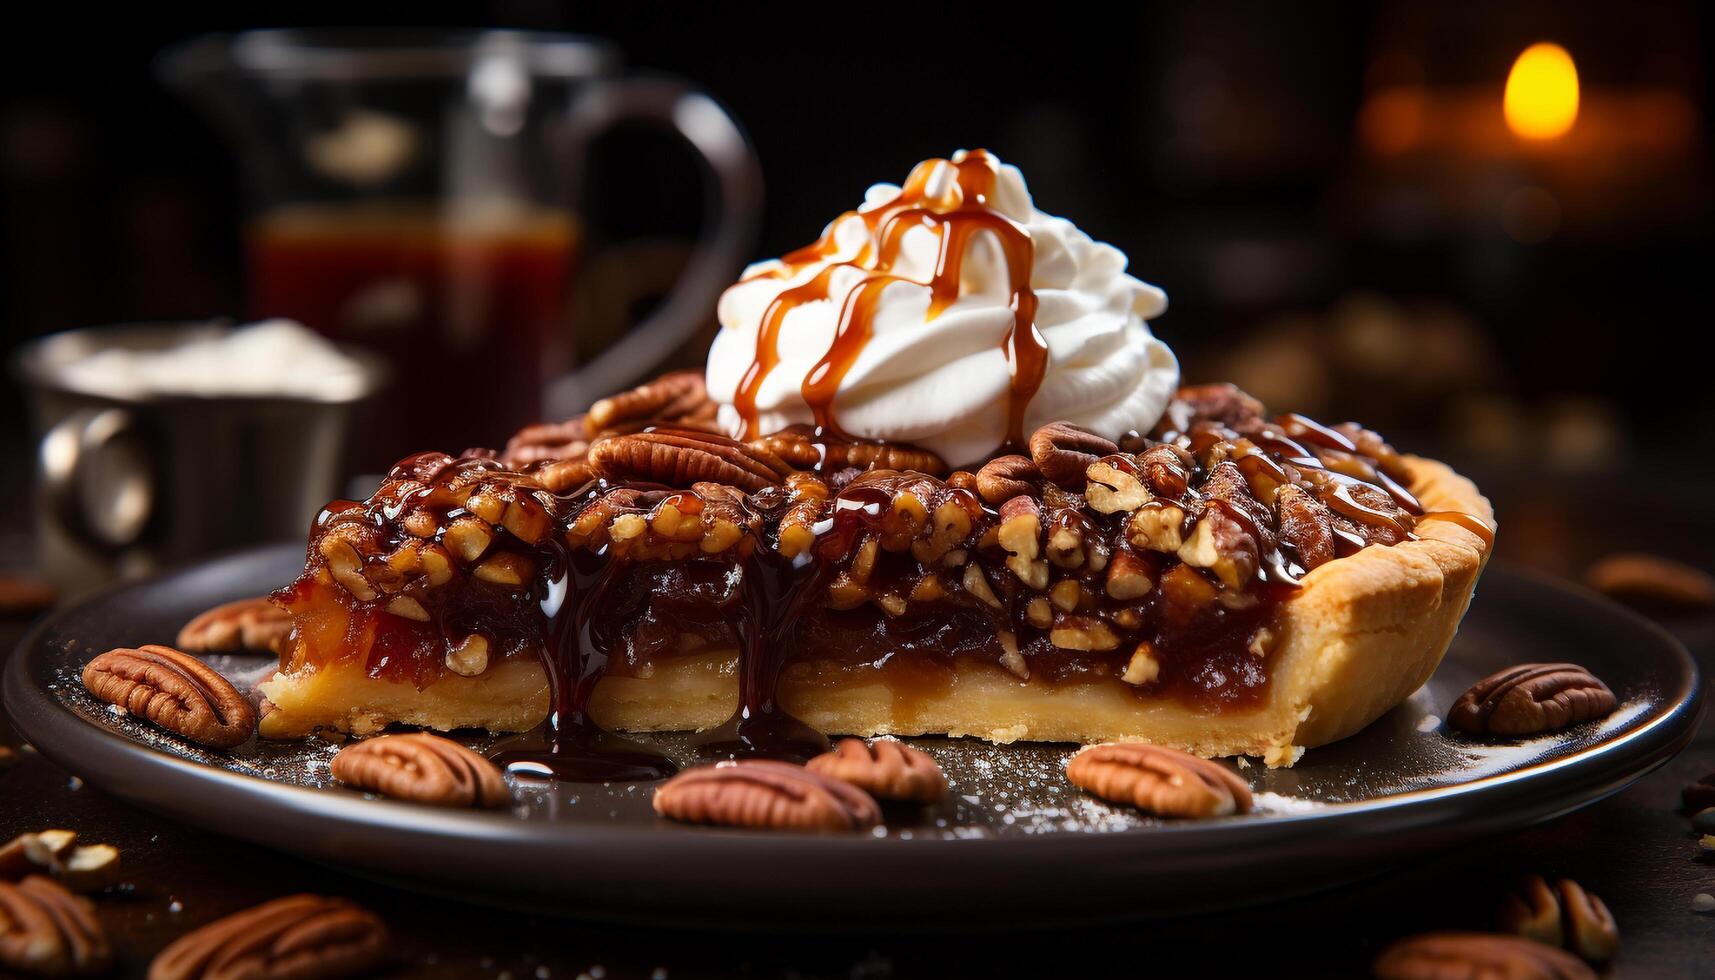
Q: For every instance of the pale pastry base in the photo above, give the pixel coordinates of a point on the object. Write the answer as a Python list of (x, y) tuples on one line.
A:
[(1359, 637)]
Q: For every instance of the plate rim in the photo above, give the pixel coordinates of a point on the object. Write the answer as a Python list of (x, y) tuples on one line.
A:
[(100, 755)]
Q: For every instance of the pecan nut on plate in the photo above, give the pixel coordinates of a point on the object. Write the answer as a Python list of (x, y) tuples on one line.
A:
[(1161, 781), (247, 624), (422, 768), (885, 768), (175, 691), (766, 796), (1531, 698)]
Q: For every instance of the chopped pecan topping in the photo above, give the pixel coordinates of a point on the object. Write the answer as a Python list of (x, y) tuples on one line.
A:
[(1531, 698), (422, 768), (175, 691), (1166, 469), (1444, 955), (1651, 581), (1020, 533), (1224, 546), (766, 795), (1063, 451), (681, 457), (1113, 485), (1159, 780), (675, 398), (1305, 526), (1006, 477), (800, 447), (1562, 914), (808, 501), (885, 768), (46, 931), (297, 936), (248, 624)]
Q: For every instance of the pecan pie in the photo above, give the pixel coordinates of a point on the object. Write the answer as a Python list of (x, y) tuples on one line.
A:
[(767, 563), (1238, 584)]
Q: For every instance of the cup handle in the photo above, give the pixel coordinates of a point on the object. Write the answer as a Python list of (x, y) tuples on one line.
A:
[(734, 196), (106, 446)]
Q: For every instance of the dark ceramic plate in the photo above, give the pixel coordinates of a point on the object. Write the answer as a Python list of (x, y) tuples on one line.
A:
[(1014, 845)]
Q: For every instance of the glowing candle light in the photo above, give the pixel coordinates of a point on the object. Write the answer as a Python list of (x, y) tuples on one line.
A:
[(1541, 100)]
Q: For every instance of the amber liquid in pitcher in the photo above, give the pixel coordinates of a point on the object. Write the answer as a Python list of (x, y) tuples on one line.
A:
[(467, 306)]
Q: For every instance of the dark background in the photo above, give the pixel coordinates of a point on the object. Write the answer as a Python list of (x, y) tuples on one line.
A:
[(1218, 144)]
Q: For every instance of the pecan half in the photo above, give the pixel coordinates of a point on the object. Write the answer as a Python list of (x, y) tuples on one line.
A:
[(1652, 581), (1159, 780), (562, 475), (1448, 955), (1529, 699), (1562, 914), (681, 457), (248, 624), (546, 441), (1220, 402), (305, 936), (47, 931), (422, 768), (886, 768), (677, 396), (1063, 451), (768, 795), (799, 446), (175, 691), (1006, 477)]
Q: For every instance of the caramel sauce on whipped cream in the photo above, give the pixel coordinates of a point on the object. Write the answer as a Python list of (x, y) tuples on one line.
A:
[(948, 313)]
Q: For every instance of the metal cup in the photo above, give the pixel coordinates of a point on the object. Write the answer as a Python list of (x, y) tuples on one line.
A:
[(129, 482)]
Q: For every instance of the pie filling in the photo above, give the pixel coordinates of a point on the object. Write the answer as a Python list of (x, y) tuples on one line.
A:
[(1163, 564)]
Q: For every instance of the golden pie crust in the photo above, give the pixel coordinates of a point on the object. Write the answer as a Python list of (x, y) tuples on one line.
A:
[(1360, 635)]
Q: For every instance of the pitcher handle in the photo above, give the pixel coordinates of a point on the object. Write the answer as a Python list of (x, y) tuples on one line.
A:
[(734, 196)]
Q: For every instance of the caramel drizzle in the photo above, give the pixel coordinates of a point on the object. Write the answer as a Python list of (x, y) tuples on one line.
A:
[(955, 216)]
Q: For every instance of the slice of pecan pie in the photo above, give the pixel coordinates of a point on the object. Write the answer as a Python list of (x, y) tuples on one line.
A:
[(1229, 583), (777, 548)]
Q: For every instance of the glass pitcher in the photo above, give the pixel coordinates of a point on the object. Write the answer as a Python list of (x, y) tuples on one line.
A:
[(415, 193)]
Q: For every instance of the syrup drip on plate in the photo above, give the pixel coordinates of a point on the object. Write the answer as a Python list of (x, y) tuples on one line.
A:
[(569, 745), (956, 212)]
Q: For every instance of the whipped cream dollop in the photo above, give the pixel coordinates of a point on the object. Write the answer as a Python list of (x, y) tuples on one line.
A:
[(898, 324)]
